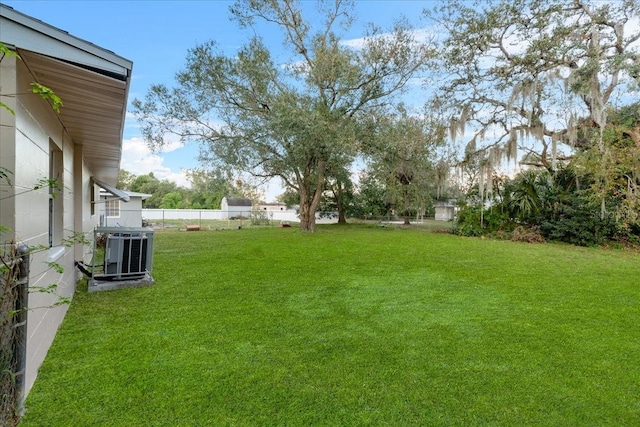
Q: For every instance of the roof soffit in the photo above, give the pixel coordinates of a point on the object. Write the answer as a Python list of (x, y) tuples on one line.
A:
[(93, 111), (93, 84)]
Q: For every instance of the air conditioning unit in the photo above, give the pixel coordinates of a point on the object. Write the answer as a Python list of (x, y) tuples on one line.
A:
[(126, 255), (122, 254)]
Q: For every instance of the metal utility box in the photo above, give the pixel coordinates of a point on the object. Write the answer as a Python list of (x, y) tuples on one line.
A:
[(122, 257)]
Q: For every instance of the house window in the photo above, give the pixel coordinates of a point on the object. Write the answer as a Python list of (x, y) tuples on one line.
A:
[(112, 208), (56, 187), (93, 199)]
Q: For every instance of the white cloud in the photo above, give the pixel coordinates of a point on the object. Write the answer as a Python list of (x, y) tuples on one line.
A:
[(138, 159)]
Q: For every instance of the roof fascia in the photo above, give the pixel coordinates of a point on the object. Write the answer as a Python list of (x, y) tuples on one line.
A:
[(24, 32)]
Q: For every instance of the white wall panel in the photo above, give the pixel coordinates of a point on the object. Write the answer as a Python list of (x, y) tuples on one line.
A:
[(37, 125)]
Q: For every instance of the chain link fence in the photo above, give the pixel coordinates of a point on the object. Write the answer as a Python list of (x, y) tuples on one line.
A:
[(209, 219), (194, 219), (14, 276)]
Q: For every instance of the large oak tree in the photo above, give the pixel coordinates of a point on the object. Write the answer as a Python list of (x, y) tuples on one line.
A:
[(532, 79), (293, 120)]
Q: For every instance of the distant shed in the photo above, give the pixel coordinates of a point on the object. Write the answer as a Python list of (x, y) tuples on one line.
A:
[(236, 207), (445, 211)]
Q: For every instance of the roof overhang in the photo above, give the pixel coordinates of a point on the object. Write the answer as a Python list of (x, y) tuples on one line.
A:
[(119, 194), (131, 194), (93, 84)]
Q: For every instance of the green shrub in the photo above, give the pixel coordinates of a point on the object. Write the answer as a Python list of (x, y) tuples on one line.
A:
[(474, 221)]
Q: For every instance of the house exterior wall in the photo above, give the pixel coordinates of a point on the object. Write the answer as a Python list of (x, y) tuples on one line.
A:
[(36, 130), (130, 214), (35, 147), (86, 218), (7, 142)]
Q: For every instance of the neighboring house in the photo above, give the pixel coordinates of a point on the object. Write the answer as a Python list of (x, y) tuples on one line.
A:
[(79, 147), (235, 207), (115, 212)]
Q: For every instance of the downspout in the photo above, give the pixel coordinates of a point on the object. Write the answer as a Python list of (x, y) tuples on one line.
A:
[(20, 326)]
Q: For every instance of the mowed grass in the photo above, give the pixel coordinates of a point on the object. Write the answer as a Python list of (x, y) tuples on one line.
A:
[(352, 326)]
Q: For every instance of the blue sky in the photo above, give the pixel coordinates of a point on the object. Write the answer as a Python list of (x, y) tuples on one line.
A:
[(156, 35)]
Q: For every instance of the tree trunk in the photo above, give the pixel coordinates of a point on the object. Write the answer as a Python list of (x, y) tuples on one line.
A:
[(341, 218), (310, 200), (308, 209), (339, 194), (634, 134), (307, 216)]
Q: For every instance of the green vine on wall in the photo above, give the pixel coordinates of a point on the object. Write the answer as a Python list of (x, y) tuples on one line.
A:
[(45, 93)]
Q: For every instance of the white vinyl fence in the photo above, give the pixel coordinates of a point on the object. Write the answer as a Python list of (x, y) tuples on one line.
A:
[(196, 216)]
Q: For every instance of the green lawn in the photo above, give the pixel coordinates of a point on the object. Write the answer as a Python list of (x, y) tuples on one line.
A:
[(352, 326)]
